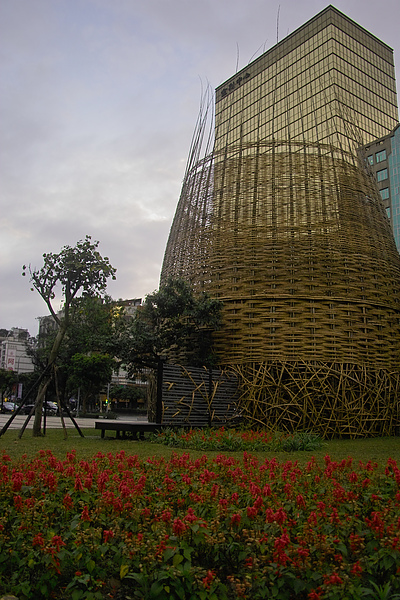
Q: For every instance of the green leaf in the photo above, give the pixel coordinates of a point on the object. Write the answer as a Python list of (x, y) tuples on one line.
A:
[(169, 553), (178, 558), (342, 548), (187, 553), (298, 585), (90, 565), (156, 589), (123, 571)]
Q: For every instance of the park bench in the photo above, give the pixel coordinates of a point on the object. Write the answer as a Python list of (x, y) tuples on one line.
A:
[(121, 428)]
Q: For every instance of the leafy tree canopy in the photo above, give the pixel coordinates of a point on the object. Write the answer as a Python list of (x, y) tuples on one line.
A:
[(173, 323), (80, 269), (91, 329), (7, 380)]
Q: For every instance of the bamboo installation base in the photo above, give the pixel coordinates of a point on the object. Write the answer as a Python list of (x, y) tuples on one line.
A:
[(333, 400)]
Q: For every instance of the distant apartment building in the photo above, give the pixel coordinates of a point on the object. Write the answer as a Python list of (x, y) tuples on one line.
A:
[(382, 157), (13, 351)]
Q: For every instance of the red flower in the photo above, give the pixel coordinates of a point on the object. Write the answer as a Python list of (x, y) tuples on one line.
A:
[(162, 546), (208, 579), (353, 477), (178, 526), (267, 490), (236, 518), (85, 514), (18, 502), (17, 481), (314, 595), (356, 569), (108, 534), (166, 516), (78, 487), (334, 518), (312, 519), (252, 512), (301, 503), (280, 516), (38, 540), (332, 579), (67, 502), (57, 542), (190, 517)]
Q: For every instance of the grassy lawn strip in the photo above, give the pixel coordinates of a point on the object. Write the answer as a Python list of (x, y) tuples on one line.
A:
[(376, 449)]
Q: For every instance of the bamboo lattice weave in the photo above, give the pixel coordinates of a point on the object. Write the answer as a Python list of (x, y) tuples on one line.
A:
[(294, 239), (334, 399)]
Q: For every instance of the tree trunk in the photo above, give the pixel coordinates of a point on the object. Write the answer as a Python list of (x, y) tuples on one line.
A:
[(37, 424)]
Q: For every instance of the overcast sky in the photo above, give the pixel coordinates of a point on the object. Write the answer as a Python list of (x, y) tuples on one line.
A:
[(99, 100)]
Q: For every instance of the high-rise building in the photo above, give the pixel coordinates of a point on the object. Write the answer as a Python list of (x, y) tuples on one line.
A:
[(280, 220), (382, 159), (330, 82)]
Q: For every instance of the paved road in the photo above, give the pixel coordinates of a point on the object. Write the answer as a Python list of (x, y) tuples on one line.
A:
[(55, 422)]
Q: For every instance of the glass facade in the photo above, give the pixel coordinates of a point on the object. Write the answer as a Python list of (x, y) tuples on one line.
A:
[(330, 82), (380, 156), (394, 170), (382, 175)]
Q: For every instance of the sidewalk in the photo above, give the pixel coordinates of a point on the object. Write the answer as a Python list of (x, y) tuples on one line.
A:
[(55, 422)]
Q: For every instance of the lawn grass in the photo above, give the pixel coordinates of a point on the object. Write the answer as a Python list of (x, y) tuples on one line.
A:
[(375, 449)]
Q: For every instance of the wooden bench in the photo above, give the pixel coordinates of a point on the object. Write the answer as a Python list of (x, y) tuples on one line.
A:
[(121, 428)]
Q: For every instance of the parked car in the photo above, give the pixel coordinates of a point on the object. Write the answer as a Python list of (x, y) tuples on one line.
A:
[(51, 408), (8, 407)]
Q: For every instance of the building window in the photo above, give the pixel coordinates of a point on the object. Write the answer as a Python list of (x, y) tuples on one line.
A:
[(384, 193), (388, 212), (382, 175), (380, 156), (370, 159)]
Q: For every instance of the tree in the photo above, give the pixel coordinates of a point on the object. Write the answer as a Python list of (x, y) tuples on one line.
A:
[(91, 372), (80, 270), (132, 393), (7, 380), (91, 330), (175, 323)]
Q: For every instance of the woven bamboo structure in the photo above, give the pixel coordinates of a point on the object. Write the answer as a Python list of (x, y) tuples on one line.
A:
[(280, 219), (295, 241)]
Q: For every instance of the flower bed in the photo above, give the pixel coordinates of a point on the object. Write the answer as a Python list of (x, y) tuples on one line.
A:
[(118, 527), (233, 440)]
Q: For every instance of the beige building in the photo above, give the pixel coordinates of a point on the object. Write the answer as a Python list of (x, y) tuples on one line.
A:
[(13, 351)]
